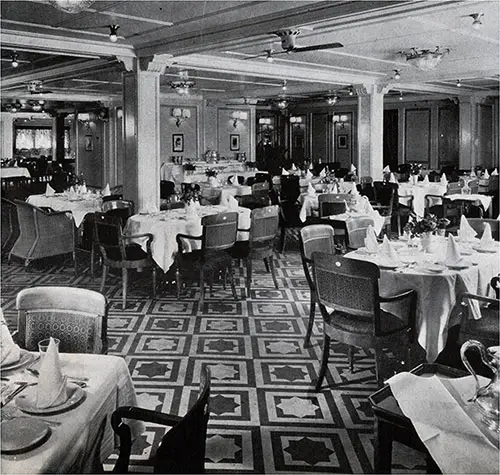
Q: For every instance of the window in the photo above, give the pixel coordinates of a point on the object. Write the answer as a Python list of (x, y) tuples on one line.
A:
[(35, 141)]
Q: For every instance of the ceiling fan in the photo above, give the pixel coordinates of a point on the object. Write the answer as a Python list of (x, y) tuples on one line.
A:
[(288, 45)]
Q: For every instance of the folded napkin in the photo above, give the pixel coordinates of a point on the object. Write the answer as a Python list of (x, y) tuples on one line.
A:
[(371, 243), (83, 189), (353, 168), (322, 173), (294, 168), (72, 190), (472, 173), (51, 387), (232, 204), (49, 191), (425, 180), (452, 253), (231, 180), (354, 190), (310, 190), (10, 352), (387, 253), (466, 231), (494, 172), (387, 169), (392, 178), (284, 172), (310, 166), (444, 180), (486, 175), (106, 191), (309, 175), (332, 188), (487, 241)]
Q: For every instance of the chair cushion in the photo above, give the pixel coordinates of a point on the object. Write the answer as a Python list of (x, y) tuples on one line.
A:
[(133, 252), (362, 325)]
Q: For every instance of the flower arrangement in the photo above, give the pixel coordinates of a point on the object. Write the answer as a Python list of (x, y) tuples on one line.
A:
[(211, 172), (430, 223), (250, 165), (416, 168), (189, 167), (329, 177), (191, 194)]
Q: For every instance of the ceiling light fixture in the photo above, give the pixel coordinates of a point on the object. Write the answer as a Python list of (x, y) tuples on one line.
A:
[(269, 57), (397, 74), (282, 104), (113, 36), (459, 84), (183, 84), (332, 100), (425, 59), (14, 60), (71, 6), (478, 20), (400, 95), (283, 86), (350, 90)]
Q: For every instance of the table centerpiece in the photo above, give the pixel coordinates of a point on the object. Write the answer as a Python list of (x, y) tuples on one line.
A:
[(427, 229)]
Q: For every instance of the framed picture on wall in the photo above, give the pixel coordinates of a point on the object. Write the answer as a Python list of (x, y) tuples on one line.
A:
[(342, 141), (234, 142), (177, 142), (89, 143)]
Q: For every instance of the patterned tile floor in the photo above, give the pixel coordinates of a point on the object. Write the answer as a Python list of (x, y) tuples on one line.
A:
[(265, 416)]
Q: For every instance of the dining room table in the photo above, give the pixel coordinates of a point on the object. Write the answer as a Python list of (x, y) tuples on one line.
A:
[(79, 436), (165, 225), (14, 172), (419, 191), (226, 190), (79, 204), (475, 199), (438, 286)]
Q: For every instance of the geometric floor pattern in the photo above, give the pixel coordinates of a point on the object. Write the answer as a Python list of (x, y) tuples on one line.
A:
[(265, 416)]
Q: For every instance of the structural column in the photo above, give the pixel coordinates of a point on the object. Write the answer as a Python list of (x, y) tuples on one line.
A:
[(141, 107), (370, 130), (468, 141)]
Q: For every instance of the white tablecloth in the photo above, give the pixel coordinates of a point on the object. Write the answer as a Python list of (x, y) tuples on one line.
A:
[(12, 172), (437, 292), (485, 200), (109, 387), (165, 226), (418, 192), (227, 191), (79, 205)]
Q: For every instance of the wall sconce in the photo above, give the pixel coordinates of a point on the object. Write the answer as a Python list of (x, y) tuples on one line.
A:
[(238, 115), (342, 119), (295, 120), (265, 123), (181, 115)]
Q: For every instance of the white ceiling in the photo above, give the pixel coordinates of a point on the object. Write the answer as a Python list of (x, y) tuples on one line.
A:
[(216, 42)]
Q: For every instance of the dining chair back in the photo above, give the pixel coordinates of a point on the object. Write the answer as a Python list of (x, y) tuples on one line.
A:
[(453, 188), (356, 231), (289, 188), (167, 189), (182, 448), (122, 209), (332, 203), (350, 287), (114, 197), (478, 225), (189, 187), (260, 189), (10, 224), (314, 238), (77, 317), (219, 231)]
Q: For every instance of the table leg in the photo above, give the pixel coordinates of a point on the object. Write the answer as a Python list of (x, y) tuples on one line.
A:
[(382, 451)]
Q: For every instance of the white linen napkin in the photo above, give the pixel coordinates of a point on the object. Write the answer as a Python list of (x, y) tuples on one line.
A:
[(322, 173), (284, 172), (392, 178), (452, 252), (371, 243), (387, 169), (494, 172), (106, 191), (10, 352), (49, 191), (425, 181), (51, 387), (72, 190), (387, 254), (309, 175), (310, 190), (332, 188), (354, 190), (487, 241), (444, 180), (232, 204), (466, 231), (231, 180), (353, 168), (472, 174), (486, 175), (294, 168), (83, 189)]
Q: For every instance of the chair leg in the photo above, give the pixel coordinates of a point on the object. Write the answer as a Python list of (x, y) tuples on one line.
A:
[(154, 281), (124, 287), (312, 308), (350, 356), (92, 261), (249, 275), (202, 288), (282, 240), (271, 267), (266, 263), (178, 282), (324, 363), (104, 274), (231, 280)]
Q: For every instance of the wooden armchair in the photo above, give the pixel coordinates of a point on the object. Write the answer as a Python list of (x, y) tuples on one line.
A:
[(42, 234)]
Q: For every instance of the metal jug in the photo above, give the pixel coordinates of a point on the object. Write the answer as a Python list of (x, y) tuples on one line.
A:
[(487, 398)]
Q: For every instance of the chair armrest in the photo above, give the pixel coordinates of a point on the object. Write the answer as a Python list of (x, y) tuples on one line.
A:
[(466, 295), (137, 236), (181, 236)]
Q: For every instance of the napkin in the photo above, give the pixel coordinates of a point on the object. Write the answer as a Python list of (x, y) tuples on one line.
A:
[(51, 387), (72, 190), (309, 175), (472, 174), (354, 190), (392, 178), (387, 253), (387, 169), (49, 191), (487, 241), (231, 180), (332, 188), (425, 180), (322, 173), (486, 175), (284, 172), (294, 168), (10, 352), (106, 191), (371, 243), (310, 190), (310, 166), (444, 180), (466, 231), (452, 252), (232, 204), (353, 168), (494, 172), (83, 189)]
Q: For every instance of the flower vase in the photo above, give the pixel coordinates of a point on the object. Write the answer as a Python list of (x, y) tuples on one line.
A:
[(190, 209), (428, 242), (212, 181)]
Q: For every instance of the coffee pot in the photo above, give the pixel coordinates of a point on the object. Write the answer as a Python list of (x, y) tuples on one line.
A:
[(487, 398)]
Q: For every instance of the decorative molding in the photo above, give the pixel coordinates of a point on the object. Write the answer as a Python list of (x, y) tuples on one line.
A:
[(128, 62), (156, 63)]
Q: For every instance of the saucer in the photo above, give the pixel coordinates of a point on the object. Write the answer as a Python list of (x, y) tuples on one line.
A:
[(22, 434), (27, 400)]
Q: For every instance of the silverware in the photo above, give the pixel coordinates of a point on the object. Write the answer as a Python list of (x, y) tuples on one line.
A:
[(78, 381), (14, 393)]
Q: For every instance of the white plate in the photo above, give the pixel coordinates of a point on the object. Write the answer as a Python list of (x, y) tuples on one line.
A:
[(27, 400), (388, 266), (23, 434), (490, 250), (457, 266), (437, 268), (25, 358)]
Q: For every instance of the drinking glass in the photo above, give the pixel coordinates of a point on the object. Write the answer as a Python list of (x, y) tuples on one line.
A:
[(43, 346)]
